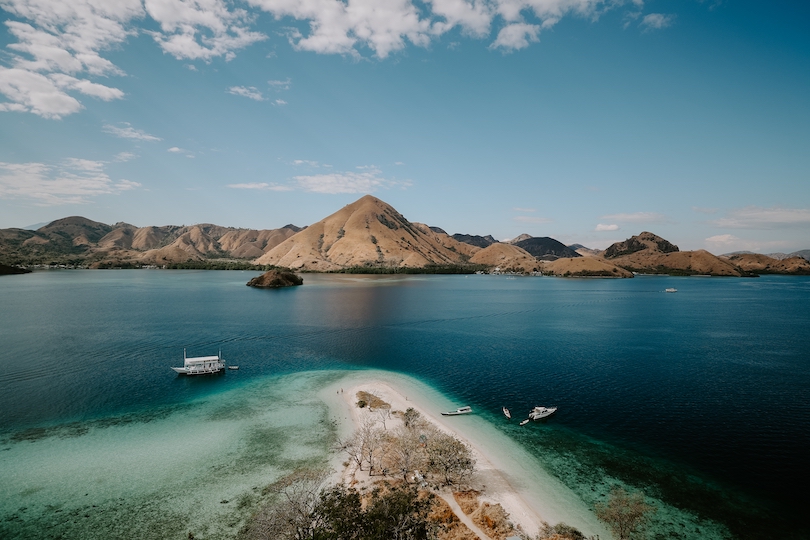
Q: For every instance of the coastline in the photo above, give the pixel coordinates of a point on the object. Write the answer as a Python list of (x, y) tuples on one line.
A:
[(505, 473)]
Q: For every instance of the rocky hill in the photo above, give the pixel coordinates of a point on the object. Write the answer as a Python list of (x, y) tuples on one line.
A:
[(764, 264), (78, 240), (475, 240), (545, 248), (584, 267), (507, 258), (651, 254), (367, 233)]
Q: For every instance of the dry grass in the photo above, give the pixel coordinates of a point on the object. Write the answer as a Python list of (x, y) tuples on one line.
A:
[(371, 400), (451, 528), (493, 520), (467, 500)]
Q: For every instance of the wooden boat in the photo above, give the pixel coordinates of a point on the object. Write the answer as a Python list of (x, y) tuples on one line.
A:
[(201, 365), (460, 410), (506, 413)]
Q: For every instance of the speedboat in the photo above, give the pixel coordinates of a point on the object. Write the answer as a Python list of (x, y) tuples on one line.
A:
[(233, 367), (671, 289), (460, 410), (538, 413), (524, 422), (506, 413)]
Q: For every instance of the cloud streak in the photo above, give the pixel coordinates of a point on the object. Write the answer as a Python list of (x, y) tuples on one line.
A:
[(755, 217), (636, 217), (126, 131), (366, 180), (74, 181)]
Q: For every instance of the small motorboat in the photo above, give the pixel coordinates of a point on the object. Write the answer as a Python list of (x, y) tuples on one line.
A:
[(506, 413), (233, 367), (671, 289), (538, 413), (460, 410), (524, 422)]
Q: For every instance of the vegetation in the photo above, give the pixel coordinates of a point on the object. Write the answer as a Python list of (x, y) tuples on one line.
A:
[(625, 513), (301, 510)]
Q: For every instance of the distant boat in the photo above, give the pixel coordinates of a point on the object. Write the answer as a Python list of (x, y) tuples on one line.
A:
[(460, 410), (506, 413), (233, 367), (538, 413), (524, 422), (671, 289), (201, 365)]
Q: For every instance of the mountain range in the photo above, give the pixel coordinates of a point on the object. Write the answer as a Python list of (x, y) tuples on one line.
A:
[(366, 235)]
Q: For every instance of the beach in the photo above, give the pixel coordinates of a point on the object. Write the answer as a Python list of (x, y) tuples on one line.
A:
[(505, 473)]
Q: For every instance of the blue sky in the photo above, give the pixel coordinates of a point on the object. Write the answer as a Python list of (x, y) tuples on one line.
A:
[(584, 120)]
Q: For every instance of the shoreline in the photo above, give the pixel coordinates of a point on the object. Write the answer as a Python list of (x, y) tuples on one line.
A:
[(505, 473)]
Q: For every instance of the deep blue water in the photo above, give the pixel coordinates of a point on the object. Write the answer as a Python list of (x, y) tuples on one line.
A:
[(701, 398)]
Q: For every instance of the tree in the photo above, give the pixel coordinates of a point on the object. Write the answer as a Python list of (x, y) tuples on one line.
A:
[(405, 452), (624, 513), (449, 458)]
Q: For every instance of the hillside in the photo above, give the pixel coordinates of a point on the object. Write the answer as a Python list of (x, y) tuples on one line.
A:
[(763, 264), (367, 233), (545, 248), (584, 267), (80, 241), (507, 258), (475, 240), (651, 254)]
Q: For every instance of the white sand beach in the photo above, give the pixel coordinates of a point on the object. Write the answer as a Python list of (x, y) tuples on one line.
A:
[(506, 474)]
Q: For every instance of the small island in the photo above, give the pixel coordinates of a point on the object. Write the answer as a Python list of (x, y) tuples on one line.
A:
[(275, 279)]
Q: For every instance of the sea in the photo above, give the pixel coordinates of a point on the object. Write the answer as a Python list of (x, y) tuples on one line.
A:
[(700, 398)]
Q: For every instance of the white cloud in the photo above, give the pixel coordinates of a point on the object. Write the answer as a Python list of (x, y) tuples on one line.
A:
[(656, 21), (755, 217), (74, 181), (280, 85), (124, 156), (306, 162), (279, 102), (399, 163), (175, 149), (722, 239), (249, 92), (636, 217), (602, 227), (201, 29), (367, 181), (261, 186), (516, 36), (129, 132), (531, 219)]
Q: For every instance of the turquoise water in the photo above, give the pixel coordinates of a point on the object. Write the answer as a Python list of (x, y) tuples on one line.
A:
[(698, 397)]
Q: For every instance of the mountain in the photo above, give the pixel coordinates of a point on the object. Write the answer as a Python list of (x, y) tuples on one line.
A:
[(804, 254), (584, 251), (506, 257), (367, 233), (475, 240), (78, 240), (545, 248), (651, 254), (518, 238), (585, 267), (764, 264)]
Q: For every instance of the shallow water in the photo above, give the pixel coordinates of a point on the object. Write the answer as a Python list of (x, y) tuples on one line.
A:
[(698, 397)]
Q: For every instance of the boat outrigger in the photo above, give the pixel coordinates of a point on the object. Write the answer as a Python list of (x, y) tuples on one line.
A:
[(201, 365), (460, 410)]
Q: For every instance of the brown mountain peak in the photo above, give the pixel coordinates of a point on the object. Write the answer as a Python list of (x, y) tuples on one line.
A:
[(646, 241)]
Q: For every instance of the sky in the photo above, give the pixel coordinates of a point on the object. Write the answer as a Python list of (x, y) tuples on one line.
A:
[(588, 121)]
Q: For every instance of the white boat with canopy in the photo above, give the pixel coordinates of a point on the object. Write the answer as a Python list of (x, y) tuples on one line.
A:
[(200, 365)]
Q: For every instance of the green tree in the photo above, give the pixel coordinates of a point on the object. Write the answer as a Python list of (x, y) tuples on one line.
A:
[(625, 513)]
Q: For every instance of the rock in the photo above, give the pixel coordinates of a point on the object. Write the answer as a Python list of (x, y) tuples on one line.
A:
[(274, 279)]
